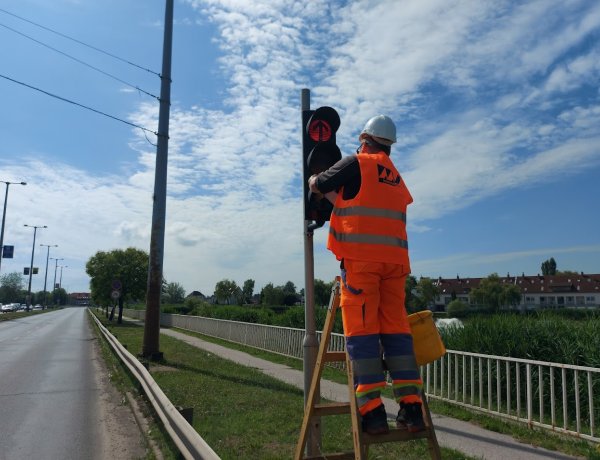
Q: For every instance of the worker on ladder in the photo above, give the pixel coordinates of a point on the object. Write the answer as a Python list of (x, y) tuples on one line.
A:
[(368, 235)]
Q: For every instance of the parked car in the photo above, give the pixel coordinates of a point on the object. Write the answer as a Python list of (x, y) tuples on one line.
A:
[(8, 307), (38, 307)]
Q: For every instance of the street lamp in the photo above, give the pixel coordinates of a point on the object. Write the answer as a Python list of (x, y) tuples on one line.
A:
[(46, 276), (4, 217), (55, 267), (60, 281), (35, 227)]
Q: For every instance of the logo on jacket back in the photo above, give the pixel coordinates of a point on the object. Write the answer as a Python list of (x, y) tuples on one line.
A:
[(387, 176)]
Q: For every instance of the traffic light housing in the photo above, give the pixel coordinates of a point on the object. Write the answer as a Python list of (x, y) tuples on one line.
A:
[(320, 152)]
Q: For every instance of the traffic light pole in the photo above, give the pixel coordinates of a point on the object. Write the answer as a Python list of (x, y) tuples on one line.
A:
[(311, 344)]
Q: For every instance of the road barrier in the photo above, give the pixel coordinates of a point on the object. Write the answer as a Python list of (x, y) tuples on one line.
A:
[(188, 441)]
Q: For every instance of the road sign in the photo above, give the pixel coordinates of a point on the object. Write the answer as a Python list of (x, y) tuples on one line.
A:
[(7, 252), (117, 285), (115, 294)]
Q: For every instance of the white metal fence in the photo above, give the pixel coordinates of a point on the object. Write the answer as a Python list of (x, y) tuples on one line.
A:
[(559, 397)]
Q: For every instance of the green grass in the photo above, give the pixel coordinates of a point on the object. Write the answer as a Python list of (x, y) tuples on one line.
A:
[(536, 437), (21, 314), (241, 412)]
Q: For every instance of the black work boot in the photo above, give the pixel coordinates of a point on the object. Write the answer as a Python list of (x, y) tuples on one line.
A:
[(410, 417), (375, 421)]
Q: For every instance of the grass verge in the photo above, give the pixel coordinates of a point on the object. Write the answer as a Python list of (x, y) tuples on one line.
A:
[(241, 412), (21, 314), (535, 437), (124, 382)]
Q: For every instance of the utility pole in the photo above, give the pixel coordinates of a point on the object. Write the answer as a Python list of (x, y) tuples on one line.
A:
[(150, 347), (46, 276), (54, 284), (4, 217), (35, 228)]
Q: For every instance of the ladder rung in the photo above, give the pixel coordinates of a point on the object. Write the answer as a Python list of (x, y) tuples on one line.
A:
[(334, 356), (394, 436), (334, 456), (331, 409)]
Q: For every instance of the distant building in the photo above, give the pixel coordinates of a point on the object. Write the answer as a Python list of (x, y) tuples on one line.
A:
[(80, 298), (539, 291)]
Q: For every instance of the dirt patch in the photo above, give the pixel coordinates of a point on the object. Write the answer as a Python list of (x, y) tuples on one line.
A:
[(122, 438)]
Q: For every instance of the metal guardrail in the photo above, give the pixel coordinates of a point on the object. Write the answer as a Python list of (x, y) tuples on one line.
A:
[(188, 441), (558, 397)]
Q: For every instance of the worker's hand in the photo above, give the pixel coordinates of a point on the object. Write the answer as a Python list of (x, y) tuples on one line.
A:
[(312, 184)]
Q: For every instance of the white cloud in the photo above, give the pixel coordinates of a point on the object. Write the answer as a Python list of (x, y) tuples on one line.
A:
[(471, 85)]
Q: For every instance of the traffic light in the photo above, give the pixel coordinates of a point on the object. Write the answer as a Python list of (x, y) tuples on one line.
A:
[(320, 152), (25, 271)]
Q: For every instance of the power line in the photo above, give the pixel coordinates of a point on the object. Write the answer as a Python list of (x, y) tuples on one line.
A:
[(80, 61), (79, 41), (80, 105)]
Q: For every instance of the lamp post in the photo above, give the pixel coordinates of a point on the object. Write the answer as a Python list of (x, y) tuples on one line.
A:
[(60, 280), (46, 275), (35, 227), (55, 267), (4, 217)]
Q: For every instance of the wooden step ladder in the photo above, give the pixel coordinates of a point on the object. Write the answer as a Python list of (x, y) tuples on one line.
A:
[(314, 407)]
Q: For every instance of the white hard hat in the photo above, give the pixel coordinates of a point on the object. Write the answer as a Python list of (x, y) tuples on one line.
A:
[(381, 128)]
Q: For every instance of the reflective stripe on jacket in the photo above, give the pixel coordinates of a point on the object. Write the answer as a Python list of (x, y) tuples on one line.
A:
[(372, 225)]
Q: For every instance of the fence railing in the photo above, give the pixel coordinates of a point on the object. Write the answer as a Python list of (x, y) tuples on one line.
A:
[(558, 397)]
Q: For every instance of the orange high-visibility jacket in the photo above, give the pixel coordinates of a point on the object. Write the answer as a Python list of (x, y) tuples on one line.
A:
[(372, 225)]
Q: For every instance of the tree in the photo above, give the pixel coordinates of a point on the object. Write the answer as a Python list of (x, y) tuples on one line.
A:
[(457, 309), (427, 291), (493, 294), (248, 290), (511, 295), (290, 297), (549, 267), (125, 267), (410, 300), (270, 295), (322, 292), (11, 287), (173, 293), (226, 290)]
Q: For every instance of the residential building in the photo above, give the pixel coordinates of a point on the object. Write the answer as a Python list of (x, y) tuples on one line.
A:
[(539, 291)]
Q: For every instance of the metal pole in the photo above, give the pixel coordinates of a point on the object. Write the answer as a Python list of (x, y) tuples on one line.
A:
[(4, 218), (150, 347), (60, 281), (46, 275), (311, 344), (35, 227), (55, 267)]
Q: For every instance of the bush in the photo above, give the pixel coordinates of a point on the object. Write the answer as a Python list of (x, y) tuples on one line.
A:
[(457, 309)]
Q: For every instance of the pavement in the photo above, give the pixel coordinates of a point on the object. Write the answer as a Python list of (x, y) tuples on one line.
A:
[(455, 434)]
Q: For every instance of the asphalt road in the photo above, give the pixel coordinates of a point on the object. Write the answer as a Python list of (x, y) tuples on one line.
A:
[(55, 401)]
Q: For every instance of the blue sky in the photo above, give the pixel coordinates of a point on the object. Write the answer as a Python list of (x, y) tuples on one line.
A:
[(497, 106)]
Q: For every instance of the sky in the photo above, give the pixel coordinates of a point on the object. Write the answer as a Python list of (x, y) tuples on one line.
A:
[(496, 103)]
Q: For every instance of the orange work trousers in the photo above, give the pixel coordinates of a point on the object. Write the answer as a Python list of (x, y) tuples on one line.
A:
[(375, 321)]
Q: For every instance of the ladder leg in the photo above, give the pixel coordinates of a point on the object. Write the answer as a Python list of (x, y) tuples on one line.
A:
[(314, 392), (360, 449), (432, 443)]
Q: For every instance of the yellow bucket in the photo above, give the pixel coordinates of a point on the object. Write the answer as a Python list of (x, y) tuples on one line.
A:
[(426, 338)]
